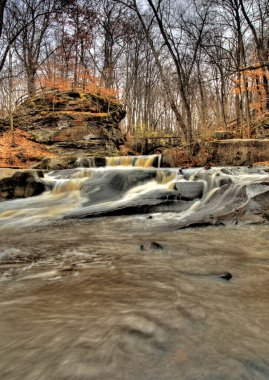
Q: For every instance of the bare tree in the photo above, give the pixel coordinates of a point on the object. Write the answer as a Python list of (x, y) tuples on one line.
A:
[(178, 46), (35, 18), (256, 16)]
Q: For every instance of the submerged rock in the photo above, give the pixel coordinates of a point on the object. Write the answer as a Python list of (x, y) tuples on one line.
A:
[(150, 245)]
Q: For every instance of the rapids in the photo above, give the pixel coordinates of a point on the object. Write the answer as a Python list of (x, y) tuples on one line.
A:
[(79, 299), (131, 185)]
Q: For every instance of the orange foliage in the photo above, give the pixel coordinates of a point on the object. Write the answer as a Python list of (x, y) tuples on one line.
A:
[(236, 90), (253, 83), (262, 163), (85, 83), (24, 153)]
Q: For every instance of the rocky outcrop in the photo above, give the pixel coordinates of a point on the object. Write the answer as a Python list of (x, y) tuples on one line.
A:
[(72, 122), (21, 184)]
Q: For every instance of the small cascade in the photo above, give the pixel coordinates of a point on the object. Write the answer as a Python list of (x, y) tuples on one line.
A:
[(85, 162), (72, 182), (164, 177), (120, 161), (145, 161), (135, 161), (65, 186)]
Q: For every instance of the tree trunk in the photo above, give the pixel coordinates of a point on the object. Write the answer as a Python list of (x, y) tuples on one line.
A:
[(10, 73), (31, 83)]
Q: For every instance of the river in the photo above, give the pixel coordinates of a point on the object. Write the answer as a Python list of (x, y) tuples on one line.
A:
[(80, 300)]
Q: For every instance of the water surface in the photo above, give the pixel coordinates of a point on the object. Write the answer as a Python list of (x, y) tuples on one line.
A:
[(80, 300)]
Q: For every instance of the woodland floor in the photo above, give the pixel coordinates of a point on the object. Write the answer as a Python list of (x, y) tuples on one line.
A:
[(25, 153)]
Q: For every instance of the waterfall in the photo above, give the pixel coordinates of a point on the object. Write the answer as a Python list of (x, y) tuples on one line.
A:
[(135, 161)]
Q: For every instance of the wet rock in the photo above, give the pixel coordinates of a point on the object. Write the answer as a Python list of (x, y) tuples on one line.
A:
[(99, 161), (150, 245), (190, 190), (259, 202), (22, 184), (226, 276), (224, 181)]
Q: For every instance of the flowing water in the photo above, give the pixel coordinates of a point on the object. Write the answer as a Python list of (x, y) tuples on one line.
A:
[(80, 300)]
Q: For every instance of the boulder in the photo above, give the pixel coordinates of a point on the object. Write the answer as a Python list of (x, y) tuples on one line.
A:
[(22, 184)]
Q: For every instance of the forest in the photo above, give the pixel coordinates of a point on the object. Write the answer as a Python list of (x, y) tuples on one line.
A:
[(180, 68)]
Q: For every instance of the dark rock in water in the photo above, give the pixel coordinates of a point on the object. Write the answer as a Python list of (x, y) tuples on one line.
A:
[(150, 217), (100, 161), (149, 245), (22, 184), (224, 181), (226, 276)]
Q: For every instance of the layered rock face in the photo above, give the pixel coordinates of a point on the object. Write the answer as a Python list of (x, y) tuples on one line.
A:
[(72, 122)]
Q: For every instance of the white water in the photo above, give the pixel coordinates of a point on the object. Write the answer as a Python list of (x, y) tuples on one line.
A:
[(93, 191)]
